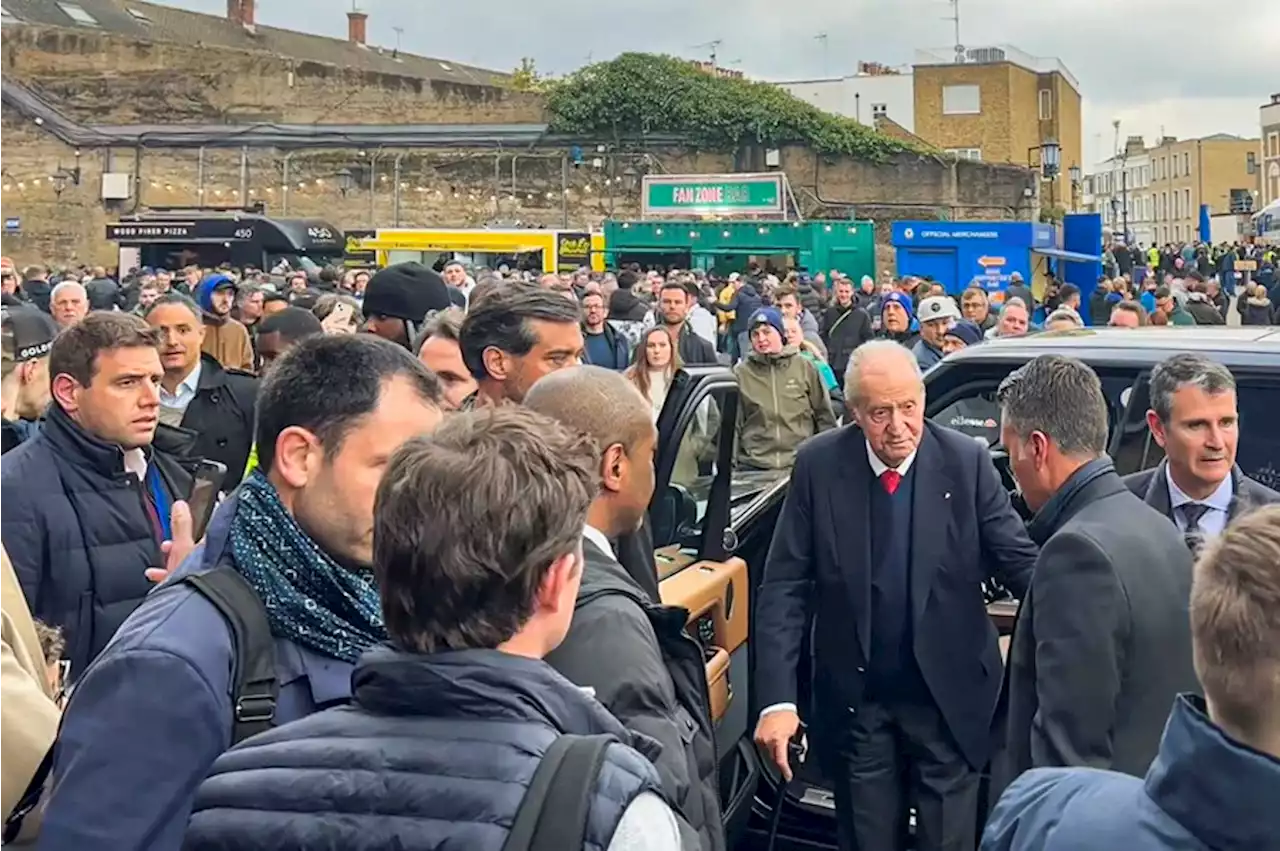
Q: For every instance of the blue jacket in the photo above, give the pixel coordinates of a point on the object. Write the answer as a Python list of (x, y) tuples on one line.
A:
[(619, 349), (1204, 792), (78, 531), (435, 752), (151, 715)]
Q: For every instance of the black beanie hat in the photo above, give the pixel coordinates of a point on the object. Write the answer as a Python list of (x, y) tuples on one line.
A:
[(407, 291)]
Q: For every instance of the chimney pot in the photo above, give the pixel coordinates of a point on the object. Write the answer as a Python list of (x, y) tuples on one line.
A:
[(233, 11), (248, 12), (356, 26)]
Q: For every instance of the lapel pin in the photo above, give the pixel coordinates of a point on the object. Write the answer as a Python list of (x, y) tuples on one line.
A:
[(947, 495)]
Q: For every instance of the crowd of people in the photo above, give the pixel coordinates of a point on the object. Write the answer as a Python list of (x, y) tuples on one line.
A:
[(428, 591)]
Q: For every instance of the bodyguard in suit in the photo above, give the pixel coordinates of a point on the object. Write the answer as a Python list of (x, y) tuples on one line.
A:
[(1194, 419), (889, 528), (1102, 643)]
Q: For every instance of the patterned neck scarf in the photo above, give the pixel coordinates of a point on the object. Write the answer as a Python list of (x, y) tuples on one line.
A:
[(310, 598)]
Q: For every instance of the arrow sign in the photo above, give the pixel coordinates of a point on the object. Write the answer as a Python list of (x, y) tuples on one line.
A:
[(984, 262)]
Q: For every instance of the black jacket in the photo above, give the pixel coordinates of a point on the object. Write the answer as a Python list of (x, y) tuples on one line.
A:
[(843, 329), (77, 529), (619, 349), (650, 675), (693, 349), (434, 752), (1102, 644), (817, 578), (221, 415), (1152, 487)]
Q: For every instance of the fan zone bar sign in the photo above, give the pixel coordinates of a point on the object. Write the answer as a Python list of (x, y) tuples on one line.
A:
[(712, 194)]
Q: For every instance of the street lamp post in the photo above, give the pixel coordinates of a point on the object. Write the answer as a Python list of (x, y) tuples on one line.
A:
[(1050, 163)]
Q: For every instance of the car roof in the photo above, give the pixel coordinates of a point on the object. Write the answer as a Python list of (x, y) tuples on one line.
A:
[(1233, 346)]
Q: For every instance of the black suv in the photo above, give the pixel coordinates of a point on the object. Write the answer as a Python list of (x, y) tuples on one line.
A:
[(713, 524)]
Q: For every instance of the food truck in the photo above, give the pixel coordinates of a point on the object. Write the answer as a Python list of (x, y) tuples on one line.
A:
[(529, 249)]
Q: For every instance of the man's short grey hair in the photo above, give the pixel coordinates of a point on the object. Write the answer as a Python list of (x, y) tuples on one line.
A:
[(1060, 397), (1064, 314), (870, 351), (1015, 301), (67, 285), (1186, 370)]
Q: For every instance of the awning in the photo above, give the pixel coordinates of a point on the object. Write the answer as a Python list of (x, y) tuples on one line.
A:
[(1069, 256)]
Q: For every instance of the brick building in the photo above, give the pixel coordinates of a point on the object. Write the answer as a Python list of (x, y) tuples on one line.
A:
[(112, 68), (997, 105), (1219, 170), (1269, 118)]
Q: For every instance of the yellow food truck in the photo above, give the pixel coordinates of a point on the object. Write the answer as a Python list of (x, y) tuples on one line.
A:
[(529, 249)]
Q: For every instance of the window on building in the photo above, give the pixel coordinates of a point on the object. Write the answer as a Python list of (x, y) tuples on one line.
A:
[(1251, 163), (1164, 206), (1186, 163), (974, 154), (1046, 104), (1177, 233), (1186, 204), (79, 15), (1173, 166), (879, 110), (138, 16), (1273, 144), (961, 100)]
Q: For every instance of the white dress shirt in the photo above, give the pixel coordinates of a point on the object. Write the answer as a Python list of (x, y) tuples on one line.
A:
[(184, 393), (601, 540), (878, 468), (1213, 521)]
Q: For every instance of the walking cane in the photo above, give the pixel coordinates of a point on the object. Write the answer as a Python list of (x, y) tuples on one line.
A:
[(796, 749)]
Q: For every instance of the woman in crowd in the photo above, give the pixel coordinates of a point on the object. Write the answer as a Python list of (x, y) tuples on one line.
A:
[(653, 365)]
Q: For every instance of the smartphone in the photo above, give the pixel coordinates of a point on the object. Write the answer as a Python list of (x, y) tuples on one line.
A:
[(204, 495)]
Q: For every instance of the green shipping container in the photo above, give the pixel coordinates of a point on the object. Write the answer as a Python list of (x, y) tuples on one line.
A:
[(724, 247)]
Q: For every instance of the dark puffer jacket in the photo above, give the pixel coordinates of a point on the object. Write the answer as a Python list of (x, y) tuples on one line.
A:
[(435, 752), (77, 529)]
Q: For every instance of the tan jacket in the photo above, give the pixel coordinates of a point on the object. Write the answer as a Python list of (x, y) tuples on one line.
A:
[(228, 342), (28, 715)]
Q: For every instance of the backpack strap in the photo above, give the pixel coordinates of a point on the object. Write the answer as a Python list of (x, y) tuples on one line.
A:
[(562, 789), (255, 686)]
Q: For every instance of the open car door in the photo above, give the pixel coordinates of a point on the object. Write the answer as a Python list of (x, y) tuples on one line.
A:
[(690, 514)]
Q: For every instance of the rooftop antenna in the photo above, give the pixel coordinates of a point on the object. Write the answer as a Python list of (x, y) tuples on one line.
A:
[(399, 31), (826, 64), (954, 18)]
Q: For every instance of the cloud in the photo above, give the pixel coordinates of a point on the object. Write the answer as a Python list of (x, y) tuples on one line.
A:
[(1191, 66)]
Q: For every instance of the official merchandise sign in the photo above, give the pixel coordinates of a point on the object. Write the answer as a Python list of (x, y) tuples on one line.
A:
[(712, 195)]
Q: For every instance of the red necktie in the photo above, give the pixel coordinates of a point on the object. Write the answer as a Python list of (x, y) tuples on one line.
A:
[(890, 479)]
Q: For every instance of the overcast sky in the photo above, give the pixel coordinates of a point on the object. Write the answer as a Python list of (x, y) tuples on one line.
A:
[(1189, 67)]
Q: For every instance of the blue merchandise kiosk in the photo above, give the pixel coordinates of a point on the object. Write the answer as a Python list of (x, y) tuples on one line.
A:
[(956, 254)]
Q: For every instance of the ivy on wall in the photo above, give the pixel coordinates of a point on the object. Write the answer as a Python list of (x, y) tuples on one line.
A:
[(641, 93)]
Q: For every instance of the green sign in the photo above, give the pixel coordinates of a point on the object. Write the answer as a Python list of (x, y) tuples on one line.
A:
[(712, 195)]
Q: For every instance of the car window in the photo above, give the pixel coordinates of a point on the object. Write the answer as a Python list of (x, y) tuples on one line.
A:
[(1258, 453), (679, 511), (976, 415)]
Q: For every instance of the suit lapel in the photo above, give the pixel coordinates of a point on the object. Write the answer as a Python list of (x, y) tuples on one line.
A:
[(1240, 501), (932, 510), (851, 521), (1157, 495)]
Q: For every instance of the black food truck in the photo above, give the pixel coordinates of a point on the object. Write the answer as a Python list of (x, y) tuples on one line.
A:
[(175, 239)]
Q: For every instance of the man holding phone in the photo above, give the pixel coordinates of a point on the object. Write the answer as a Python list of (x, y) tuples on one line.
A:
[(197, 393)]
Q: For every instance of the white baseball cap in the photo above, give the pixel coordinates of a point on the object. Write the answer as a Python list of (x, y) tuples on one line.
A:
[(938, 307)]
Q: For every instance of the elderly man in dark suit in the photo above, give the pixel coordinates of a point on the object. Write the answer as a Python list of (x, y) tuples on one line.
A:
[(890, 526), (1193, 418), (1102, 643)]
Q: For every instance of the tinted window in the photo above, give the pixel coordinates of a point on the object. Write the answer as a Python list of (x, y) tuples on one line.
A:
[(1259, 452), (977, 416)]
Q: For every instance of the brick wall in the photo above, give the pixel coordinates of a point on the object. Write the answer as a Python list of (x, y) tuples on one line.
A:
[(104, 78), (100, 78)]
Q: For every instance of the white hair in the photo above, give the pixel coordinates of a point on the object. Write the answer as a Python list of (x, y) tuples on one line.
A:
[(875, 350), (66, 285)]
